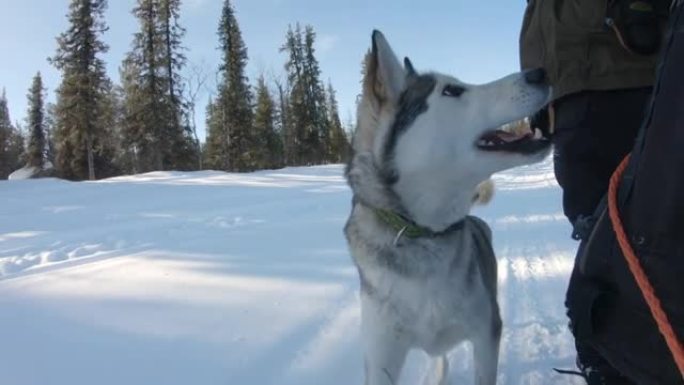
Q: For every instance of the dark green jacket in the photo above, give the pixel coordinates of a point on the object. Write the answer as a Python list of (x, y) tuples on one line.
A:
[(569, 39)]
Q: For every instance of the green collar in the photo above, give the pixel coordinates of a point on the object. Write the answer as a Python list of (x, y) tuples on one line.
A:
[(406, 227), (401, 225)]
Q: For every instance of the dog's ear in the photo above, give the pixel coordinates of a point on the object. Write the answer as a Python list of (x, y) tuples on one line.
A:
[(385, 71), (410, 69), (383, 82)]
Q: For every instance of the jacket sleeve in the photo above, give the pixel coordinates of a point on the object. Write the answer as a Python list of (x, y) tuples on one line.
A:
[(531, 43)]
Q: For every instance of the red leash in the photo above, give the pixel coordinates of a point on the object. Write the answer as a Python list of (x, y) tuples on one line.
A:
[(637, 270)]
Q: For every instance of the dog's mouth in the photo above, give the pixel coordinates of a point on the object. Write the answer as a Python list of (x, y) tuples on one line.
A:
[(519, 141)]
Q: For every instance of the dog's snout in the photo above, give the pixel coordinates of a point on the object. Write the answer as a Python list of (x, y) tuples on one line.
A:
[(536, 76)]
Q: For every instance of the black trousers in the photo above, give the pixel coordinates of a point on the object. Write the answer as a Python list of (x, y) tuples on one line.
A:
[(594, 131)]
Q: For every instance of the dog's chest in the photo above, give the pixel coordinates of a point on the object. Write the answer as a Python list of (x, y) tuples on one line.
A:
[(428, 289)]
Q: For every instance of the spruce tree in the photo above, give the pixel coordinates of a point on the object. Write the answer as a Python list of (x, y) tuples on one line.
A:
[(307, 100), (5, 133), (173, 58), (319, 137), (139, 135), (215, 151), (124, 155), (79, 132), (268, 145), (143, 88), (152, 86), (16, 150), (230, 141), (11, 141), (183, 152), (338, 145), (50, 133), (36, 124), (112, 150), (296, 128)]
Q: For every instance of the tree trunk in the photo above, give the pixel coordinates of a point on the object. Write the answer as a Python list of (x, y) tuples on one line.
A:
[(91, 158)]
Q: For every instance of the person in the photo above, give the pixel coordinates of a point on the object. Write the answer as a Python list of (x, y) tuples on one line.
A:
[(600, 57)]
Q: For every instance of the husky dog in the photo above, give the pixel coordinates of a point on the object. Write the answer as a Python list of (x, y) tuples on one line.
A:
[(424, 149)]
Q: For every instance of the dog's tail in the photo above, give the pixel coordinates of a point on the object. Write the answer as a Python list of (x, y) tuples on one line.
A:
[(485, 192)]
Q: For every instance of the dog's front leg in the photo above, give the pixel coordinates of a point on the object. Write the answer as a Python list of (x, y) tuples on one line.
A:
[(486, 352), (385, 346), (385, 356)]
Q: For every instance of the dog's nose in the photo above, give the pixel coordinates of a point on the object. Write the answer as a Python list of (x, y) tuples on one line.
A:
[(535, 76)]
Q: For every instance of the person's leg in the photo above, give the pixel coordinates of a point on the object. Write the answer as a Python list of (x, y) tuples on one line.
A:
[(594, 132), (575, 156)]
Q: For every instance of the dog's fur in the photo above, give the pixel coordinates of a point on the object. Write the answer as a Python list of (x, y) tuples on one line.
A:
[(415, 154)]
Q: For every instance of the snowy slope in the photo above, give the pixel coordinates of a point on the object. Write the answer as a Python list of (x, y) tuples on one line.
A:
[(211, 278)]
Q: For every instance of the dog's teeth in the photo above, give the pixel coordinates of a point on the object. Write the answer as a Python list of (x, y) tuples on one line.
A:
[(537, 133), (490, 143)]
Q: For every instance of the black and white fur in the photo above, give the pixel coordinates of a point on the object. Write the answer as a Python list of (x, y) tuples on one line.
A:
[(416, 153)]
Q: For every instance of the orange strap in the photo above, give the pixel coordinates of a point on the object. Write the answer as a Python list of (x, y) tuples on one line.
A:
[(635, 267)]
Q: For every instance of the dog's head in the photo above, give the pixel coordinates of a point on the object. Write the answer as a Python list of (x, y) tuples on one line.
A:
[(433, 139)]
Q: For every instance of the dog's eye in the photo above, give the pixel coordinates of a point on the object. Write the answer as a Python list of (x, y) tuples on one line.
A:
[(453, 91)]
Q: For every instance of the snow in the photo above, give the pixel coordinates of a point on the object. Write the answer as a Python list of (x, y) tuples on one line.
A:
[(29, 172), (23, 173), (212, 278)]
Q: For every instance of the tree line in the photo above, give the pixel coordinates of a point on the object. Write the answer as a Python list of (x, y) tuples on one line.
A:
[(98, 129)]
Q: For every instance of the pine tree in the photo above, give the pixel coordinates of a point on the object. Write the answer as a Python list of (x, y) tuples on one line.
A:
[(79, 132), (36, 124), (152, 86), (230, 142), (319, 136), (173, 58), (124, 157), (133, 137), (50, 132), (183, 153), (112, 160), (5, 133), (215, 151), (143, 87), (16, 150), (296, 127), (11, 141), (307, 109), (338, 144), (268, 145)]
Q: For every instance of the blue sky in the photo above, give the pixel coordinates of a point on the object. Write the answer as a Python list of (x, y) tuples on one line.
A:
[(477, 41)]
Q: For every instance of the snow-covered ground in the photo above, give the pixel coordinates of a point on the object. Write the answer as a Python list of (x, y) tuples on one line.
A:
[(219, 279)]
